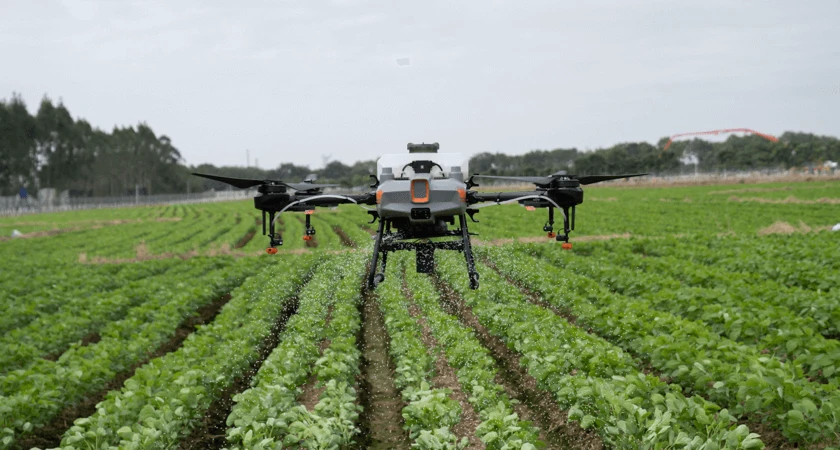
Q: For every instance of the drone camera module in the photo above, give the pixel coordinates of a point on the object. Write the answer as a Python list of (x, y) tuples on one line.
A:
[(421, 213)]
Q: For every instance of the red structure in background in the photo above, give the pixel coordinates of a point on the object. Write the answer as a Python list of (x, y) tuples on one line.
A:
[(769, 137)]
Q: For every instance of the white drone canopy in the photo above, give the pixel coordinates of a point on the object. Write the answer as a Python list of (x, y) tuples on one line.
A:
[(395, 162)]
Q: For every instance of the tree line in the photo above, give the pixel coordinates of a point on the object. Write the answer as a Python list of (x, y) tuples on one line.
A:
[(52, 149)]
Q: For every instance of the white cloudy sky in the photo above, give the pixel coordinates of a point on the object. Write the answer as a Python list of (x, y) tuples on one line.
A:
[(294, 81)]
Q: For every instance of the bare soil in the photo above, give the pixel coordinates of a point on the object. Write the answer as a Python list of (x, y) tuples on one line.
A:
[(49, 436), (246, 239), (381, 421), (345, 240), (782, 227)]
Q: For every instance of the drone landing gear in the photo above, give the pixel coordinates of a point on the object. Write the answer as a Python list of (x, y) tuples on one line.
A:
[(465, 235), (375, 278), (425, 251)]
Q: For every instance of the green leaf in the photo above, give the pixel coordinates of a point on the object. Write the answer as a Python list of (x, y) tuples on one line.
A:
[(587, 421)]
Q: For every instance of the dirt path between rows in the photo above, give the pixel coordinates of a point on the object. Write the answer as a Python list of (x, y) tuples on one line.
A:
[(345, 240), (246, 239), (381, 422)]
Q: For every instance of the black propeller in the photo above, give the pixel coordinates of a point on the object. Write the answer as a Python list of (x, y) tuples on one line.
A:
[(545, 182), (244, 183)]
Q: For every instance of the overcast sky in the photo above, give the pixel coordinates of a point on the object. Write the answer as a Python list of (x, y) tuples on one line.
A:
[(295, 81)]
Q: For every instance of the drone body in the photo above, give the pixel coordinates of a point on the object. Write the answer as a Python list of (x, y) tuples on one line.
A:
[(419, 197)]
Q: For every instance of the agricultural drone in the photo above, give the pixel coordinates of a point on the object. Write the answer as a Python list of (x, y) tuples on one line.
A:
[(417, 197)]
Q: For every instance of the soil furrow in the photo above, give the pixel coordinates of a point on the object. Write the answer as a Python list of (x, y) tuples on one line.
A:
[(381, 422), (246, 239), (49, 436), (345, 240), (535, 404)]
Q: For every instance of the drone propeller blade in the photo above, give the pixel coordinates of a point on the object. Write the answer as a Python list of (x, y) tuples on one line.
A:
[(590, 179), (308, 186), (241, 183), (536, 180)]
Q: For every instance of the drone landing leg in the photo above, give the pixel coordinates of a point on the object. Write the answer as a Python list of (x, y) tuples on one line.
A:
[(373, 277), (566, 227), (275, 240), (465, 235)]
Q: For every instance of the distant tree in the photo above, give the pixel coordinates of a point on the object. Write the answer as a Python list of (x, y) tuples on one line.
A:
[(18, 158)]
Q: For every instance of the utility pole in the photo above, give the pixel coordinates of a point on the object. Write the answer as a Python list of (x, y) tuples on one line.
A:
[(247, 158)]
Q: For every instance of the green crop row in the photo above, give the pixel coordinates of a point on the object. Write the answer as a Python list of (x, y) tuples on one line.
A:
[(268, 415), (45, 292), (500, 427), (32, 397), (790, 261), (733, 375), (595, 381), (166, 398), (429, 413), (86, 316), (821, 307), (740, 315)]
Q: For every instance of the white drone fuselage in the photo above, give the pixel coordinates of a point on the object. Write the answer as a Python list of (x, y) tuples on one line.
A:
[(421, 188)]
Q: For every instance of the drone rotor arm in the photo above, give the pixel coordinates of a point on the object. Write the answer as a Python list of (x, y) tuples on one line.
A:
[(539, 181), (241, 183), (591, 179)]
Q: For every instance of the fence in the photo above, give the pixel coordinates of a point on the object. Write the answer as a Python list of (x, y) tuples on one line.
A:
[(48, 202)]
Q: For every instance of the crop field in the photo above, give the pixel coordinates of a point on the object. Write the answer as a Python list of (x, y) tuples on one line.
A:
[(700, 317)]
